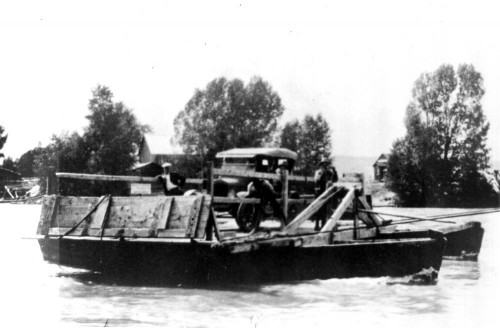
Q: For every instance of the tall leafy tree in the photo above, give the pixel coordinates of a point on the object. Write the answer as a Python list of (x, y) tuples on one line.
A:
[(437, 163), (291, 135), (26, 162), (228, 114), (310, 138), (112, 135), (107, 146)]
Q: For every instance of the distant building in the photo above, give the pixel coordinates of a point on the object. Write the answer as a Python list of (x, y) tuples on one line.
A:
[(157, 149), (380, 167), (154, 150)]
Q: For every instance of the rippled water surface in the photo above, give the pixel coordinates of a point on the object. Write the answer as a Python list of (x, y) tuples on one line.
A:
[(34, 292)]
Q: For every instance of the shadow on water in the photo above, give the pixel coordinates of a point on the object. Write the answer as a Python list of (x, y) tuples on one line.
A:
[(95, 278)]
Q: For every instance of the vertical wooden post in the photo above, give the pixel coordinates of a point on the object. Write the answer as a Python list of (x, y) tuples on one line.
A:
[(355, 210), (52, 188), (210, 178), (363, 192), (284, 192)]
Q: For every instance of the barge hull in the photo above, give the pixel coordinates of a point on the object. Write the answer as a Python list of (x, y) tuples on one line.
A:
[(194, 262)]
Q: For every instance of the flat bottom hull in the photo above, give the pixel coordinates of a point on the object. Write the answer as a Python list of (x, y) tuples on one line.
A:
[(463, 240), (199, 263)]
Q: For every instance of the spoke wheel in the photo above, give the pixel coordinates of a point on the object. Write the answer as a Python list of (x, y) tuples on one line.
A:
[(245, 217)]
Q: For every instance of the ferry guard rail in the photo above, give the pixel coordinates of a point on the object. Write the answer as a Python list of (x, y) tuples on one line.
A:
[(291, 206)]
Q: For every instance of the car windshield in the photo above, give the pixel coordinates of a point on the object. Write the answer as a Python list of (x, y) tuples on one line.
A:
[(238, 163), (259, 163)]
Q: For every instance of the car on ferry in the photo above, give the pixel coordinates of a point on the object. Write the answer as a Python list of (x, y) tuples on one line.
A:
[(260, 160)]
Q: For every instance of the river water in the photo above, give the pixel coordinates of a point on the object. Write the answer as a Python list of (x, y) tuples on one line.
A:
[(35, 293)]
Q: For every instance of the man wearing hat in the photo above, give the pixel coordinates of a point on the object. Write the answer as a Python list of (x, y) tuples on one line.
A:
[(323, 178), (171, 181)]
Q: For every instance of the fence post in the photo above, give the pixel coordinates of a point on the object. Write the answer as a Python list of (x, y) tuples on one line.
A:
[(284, 192), (210, 178), (362, 177), (52, 187), (356, 222)]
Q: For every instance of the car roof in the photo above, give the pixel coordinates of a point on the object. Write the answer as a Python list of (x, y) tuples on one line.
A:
[(252, 152)]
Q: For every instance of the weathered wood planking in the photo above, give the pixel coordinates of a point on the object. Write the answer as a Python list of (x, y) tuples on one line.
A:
[(98, 218), (179, 217), (194, 217), (70, 210), (204, 217), (160, 216), (45, 215), (179, 213), (124, 178)]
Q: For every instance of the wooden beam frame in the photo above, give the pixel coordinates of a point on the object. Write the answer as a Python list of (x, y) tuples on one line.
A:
[(339, 211), (309, 211), (124, 178)]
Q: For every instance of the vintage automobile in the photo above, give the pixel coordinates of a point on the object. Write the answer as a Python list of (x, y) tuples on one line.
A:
[(263, 160)]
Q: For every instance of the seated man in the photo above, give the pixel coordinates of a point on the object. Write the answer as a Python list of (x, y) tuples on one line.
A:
[(171, 181)]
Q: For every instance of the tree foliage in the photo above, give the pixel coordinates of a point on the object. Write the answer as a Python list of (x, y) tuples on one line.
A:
[(112, 135), (10, 164), (107, 146), (310, 138), (228, 114), (25, 164), (66, 153), (437, 163)]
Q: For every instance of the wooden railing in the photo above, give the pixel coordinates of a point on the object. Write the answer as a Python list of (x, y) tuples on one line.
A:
[(124, 178), (284, 177)]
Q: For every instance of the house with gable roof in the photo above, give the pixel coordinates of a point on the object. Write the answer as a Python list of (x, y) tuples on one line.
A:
[(158, 149), (380, 167), (154, 150)]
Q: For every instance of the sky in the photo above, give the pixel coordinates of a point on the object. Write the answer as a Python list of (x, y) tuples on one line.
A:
[(355, 62)]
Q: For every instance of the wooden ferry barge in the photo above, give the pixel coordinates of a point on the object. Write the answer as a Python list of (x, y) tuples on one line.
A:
[(158, 239), (177, 240)]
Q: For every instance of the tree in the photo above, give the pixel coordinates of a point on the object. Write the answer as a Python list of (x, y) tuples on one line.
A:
[(26, 162), (108, 146), (228, 114), (311, 139), (112, 135), (10, 164), (65, 153), (439, 159)]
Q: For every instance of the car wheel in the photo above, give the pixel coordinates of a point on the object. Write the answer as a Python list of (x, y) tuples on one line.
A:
[(245, 217)]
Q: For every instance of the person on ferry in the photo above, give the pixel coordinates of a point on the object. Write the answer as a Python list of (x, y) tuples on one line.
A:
[(324, 177), (171, 181), (264, 190)]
